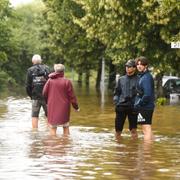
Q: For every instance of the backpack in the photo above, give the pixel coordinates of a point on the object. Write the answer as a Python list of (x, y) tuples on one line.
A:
[(39, 78)]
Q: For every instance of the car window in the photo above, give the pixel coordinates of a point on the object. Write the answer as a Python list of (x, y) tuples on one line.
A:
[(172, 84), (178, 83), (166, 85)]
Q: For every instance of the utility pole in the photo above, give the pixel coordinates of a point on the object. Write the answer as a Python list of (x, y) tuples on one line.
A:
[(102, 84)]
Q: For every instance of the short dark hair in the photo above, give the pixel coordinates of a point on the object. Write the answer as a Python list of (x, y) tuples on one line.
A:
[(144, 61), (130, 63)]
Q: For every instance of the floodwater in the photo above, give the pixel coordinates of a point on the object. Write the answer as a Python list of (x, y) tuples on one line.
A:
[(91, 151)]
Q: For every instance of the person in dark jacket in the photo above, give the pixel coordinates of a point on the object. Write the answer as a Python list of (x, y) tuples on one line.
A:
[(124, 97), (36, 78), (59, 95), (144, 102)]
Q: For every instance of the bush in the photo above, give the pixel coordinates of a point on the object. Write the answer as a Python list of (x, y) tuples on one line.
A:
[(161, 101), (5, 80)]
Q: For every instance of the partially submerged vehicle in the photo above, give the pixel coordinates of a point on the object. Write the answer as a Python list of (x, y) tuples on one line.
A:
[(171, 90)]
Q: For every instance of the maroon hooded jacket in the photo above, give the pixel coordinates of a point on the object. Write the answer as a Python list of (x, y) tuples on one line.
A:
[(59, 94)]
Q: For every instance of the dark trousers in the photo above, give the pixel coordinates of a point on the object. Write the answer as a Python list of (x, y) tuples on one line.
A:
[(121, 114)]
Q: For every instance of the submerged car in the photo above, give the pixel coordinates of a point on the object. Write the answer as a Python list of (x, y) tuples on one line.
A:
[(165, 78), (172, 88)]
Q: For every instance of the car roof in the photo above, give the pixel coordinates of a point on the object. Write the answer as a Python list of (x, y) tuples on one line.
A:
[(166, 78), (174, 79), (171, 80)]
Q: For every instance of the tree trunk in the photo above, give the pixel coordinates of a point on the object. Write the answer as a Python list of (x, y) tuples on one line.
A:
[(98, 78), (158, 84), (87, 77), (112, 76), (80, 78)]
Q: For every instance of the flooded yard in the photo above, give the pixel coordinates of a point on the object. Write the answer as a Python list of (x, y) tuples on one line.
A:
[(91, 151)]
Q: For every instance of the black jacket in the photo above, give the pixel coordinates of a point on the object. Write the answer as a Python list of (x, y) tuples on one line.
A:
[(37, 76), (125, 91)]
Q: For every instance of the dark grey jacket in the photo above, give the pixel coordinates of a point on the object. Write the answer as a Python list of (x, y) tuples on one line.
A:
[(125, 91), (36, 78)]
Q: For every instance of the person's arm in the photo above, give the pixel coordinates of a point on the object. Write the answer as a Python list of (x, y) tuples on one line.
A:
[(47, 69), (117, 92), (147, 87), (72, 96), (46, 90), (29, 84)]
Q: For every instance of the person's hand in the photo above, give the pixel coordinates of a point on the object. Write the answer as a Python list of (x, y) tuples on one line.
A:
[(115, 100), (136, 106), (78, 109)]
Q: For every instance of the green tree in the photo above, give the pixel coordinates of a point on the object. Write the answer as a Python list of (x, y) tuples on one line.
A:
[(165, 16), (26, 29), (131, 28), (68, 40), (5, 43)]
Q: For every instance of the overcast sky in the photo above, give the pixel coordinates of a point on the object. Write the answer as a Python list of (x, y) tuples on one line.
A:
[(18, 2)]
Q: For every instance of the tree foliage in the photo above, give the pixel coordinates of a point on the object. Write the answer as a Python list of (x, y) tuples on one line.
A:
[(26, 26), (80, 32), (4, 30), (68, 40), (131, 28), (5, 43)]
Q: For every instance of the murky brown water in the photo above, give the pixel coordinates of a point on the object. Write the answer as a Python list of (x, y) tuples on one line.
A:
[(91, 151)]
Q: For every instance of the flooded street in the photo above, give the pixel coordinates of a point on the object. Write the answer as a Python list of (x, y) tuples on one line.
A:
[(91, 151)]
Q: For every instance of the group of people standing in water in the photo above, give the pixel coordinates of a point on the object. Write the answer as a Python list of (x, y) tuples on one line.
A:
[(53, 92), (133, 96)]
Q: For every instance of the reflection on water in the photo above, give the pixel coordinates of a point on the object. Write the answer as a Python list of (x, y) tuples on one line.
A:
[(91, 151)]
